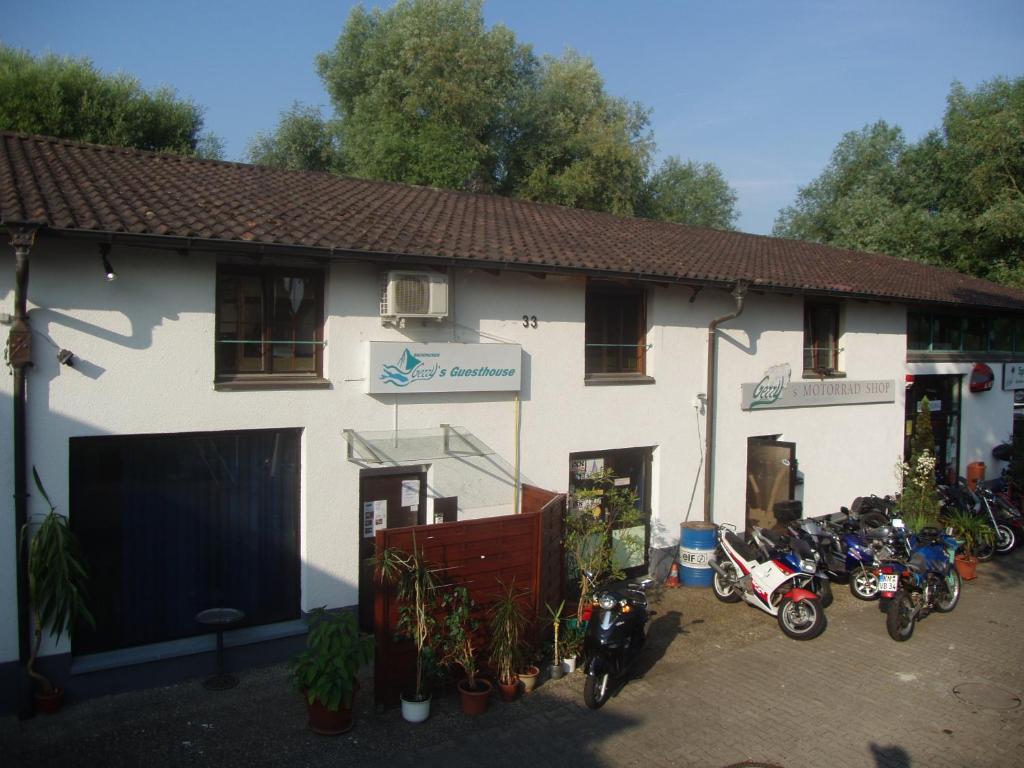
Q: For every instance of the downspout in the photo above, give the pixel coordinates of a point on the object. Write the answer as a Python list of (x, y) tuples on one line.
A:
[(19, 357), (738, 293), (515, 469)]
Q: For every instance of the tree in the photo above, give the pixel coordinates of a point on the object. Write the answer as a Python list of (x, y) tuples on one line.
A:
[(71, 99), (954, 198), (690, 193), (424, 93), (303, 140), (576, 145)]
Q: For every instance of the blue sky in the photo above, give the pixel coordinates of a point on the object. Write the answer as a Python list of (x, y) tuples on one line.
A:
[(763, 88)]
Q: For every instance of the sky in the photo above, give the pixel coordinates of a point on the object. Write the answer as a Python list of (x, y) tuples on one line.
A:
[(764, 89)]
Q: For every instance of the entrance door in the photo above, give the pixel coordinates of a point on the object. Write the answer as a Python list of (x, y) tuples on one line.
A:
[(771, 477), (943, 393), (395, 500)]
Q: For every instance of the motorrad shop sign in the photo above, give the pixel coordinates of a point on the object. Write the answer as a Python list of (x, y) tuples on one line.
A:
[(777, 390), (398, 367)]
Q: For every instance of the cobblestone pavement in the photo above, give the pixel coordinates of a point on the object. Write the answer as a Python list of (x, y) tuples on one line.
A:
[(718, 686)]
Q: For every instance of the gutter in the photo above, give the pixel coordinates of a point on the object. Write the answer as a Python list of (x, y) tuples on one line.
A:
[(19, 357), (738, 293)]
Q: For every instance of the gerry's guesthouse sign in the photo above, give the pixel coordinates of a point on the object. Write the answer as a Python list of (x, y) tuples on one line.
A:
[(777, 390), (400, 367)]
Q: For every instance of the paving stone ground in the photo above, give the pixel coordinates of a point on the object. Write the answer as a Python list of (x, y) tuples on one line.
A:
[(719, 685)]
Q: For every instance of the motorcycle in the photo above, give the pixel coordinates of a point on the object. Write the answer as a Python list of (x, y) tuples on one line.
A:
[(1004, 518), (983, 504), (845, 554), (616, 632), (926, 582), (780, 585)]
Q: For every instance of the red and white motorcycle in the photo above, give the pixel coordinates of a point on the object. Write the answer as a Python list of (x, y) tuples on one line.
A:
[(780, 585)]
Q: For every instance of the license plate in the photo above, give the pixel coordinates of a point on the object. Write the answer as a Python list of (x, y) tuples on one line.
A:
[(888, 582)]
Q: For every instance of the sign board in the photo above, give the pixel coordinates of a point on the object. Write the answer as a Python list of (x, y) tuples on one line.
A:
[(400, 367), (777, 390), (1013, 375)]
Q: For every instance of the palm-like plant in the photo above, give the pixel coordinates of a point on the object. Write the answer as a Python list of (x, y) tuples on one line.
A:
[(970, 529), (56, 580), (416, 587), (507, 624)]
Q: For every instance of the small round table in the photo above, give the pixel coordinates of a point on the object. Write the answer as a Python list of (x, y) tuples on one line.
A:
[(220, 619)]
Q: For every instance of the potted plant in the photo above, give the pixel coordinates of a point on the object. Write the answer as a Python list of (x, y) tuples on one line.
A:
[(460, 637), (555, 619), (529, 672), (326, 671), (572, 644), (416, 587), (594, 512), (507, 624), (56, 589), (971, 530)]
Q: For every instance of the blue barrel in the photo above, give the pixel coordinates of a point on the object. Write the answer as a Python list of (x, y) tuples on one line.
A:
[(696, 545)]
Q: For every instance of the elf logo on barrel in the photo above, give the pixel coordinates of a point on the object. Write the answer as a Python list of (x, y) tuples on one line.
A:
[(693, 558)]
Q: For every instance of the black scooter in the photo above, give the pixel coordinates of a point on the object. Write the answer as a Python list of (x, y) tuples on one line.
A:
[(616, 631)]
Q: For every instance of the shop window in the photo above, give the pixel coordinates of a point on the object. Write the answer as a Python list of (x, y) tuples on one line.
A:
[(919, 331), (975, 334), (616, 330), (269, 324), (821, 338), (1001, 337), (946, 333)]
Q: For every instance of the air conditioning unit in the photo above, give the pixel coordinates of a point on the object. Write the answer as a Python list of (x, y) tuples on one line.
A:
[(414, 294)]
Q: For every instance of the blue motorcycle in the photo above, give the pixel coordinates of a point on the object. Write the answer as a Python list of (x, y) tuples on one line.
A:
[(926, 582)]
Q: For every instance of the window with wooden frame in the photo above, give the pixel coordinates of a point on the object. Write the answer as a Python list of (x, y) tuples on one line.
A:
[(616, 330), (269, 324), (821, 338)]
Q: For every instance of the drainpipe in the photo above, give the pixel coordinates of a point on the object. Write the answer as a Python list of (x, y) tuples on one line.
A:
[(19, 356), (738, 293)]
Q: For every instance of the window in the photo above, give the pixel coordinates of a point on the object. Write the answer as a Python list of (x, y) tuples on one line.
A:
[(821, 338), (616, 330), (269, 322), (172, 524)]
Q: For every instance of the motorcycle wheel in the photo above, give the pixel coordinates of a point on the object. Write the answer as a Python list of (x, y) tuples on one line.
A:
[(951, 593), (803, 620), (724, 591), (985, 549), (597, 689), (1006, 539), (864, 584), (900, 617), (823, 589)]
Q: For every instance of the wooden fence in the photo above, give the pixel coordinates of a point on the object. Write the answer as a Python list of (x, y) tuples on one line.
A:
[(478, 554)]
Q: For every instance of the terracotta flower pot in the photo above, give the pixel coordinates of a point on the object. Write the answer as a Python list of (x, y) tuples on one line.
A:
[(966, 566), (329, 722), (474, 700), (529, 678), (509, 691), (48, 703)]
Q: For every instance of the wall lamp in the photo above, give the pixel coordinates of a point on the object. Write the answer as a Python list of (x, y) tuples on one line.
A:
[(108, 270), (66, 357)]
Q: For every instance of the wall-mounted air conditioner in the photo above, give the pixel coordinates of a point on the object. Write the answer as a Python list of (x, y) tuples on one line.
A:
[(414, 294)]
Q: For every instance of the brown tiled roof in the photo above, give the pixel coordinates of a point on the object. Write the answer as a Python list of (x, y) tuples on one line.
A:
[(73, 187)]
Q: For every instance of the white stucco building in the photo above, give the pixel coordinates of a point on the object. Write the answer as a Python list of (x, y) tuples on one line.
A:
[(236, 414)]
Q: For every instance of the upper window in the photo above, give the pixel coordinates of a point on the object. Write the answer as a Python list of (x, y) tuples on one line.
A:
[(616, 332), (269, 322), (964, 333), (821, 337)]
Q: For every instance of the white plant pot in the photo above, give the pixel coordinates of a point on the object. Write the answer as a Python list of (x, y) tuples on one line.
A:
[(569, 665), (415, 711)]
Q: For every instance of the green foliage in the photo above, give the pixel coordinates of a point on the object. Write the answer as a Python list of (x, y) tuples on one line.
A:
[(955, 198), (303, 140), (425, 93), (71, 99), (690, 193), (56, 579), (572, 640), (507, 624), (1016, 466), (335, 651), (461, 628), (971, 529), (924, 437), (918, 502), (416, 589), (591, 515)]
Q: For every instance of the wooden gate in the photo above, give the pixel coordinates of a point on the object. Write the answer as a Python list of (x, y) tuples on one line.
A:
[(477, 554)]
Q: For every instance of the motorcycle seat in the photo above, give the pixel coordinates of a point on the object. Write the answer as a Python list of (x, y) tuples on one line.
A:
[(745, 551)]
